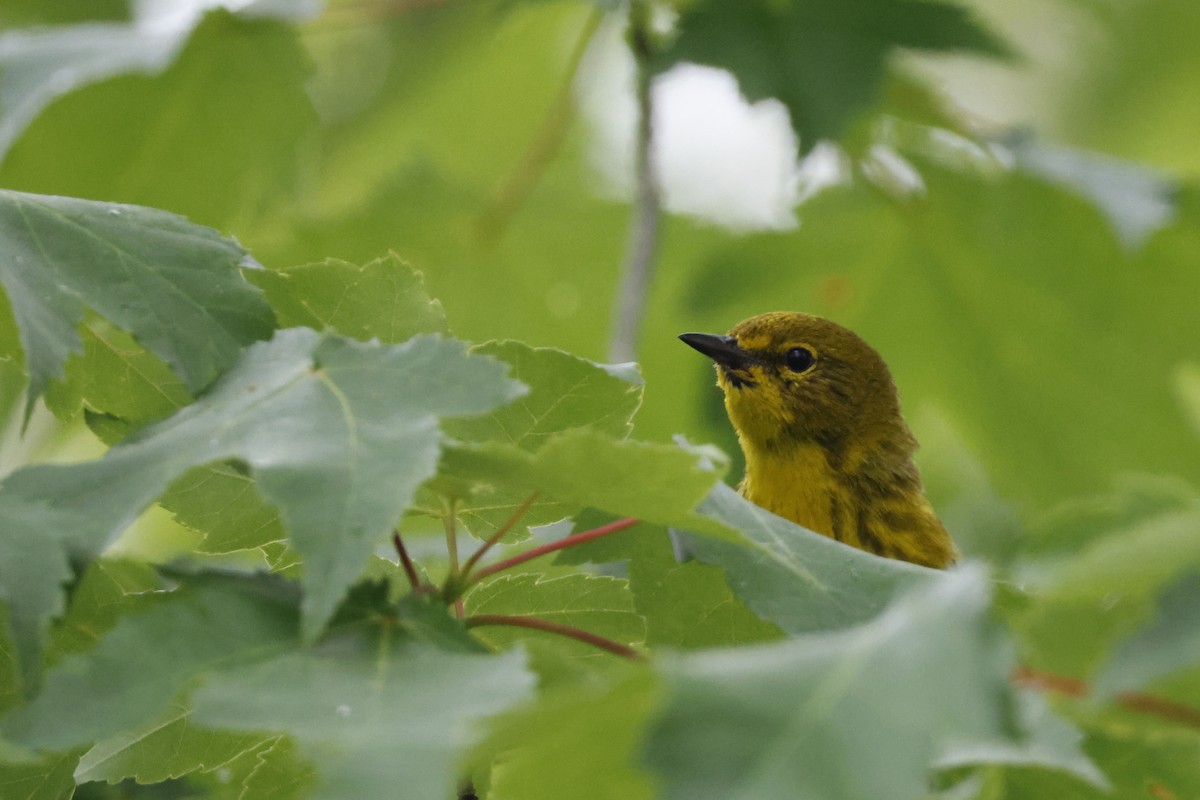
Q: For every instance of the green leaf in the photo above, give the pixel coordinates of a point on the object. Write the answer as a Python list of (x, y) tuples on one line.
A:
[(579, 741), (1103, 592), (116, 377), (691, 606), (338, 433), (1136, 201), (108, 590), (279, 774), (859, 713), (190, 137), (565, 393), (597, 604), (166, 747), (797, 579), (384, 299), (369, 725), (49, 778), (824, 60), (223, 502), (1046, 742), (147, 659), (1169, 644), (173, 285), (583, 468)]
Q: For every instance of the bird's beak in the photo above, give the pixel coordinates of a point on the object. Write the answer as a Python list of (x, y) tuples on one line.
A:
[(722, 349)]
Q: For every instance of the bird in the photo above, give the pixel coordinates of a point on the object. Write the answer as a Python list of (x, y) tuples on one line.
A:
[(818, 418)]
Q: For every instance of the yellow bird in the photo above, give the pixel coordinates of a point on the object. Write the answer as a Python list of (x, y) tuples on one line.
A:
[(818, 418)]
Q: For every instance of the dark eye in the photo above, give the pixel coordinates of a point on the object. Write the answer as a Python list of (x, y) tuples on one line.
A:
[(800, 359)]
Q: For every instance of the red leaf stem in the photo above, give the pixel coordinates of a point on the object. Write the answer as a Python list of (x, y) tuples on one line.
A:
[(616, 648)]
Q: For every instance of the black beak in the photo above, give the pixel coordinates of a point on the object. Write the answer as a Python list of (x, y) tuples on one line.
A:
[(722, 349)]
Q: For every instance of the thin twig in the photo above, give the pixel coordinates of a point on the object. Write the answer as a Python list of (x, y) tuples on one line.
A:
[(449, 521), (570, 541), (495, 537), (406, 562), (478, 620), (1131, 701), (545, 146), (642, 245)]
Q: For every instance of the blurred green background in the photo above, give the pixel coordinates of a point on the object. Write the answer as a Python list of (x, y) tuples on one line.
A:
[(1032, 276)]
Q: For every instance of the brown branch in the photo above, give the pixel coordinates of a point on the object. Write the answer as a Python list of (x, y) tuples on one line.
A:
[(1138, 702), (406, 562), (534, 623)]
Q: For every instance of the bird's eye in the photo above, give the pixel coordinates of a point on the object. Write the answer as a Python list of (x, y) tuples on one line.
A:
[(800, 359)]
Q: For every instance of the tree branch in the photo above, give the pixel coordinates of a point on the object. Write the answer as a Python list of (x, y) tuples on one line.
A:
[(642, 246)]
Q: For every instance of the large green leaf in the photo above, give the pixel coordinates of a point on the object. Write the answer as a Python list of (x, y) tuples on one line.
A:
[(167, 746), (143, 663), (173, 285), (193, 139), (383, 299), (1169, 644), (373, 723), (597, 604), (859, 713), (48, 778), (338, 433), (583, 468), (797, 579), (1104, 591), (579, 741), (566, 393), (824, 60)]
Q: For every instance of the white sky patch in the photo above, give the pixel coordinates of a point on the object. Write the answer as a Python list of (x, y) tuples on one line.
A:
[(719, 157)]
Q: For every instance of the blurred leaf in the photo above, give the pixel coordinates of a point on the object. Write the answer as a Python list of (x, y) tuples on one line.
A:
[(339, 435), (49, 778), (216, 136), (597, 604), (143, 663), (797, 579), (1170, 643), (383, 299), (579, 742), (1046, 742), (173, 285), (1136, 201), (1104, 591), (825, 61), (369, 724), (1162, 766), (165, 747), (859, 713), (108, 590)]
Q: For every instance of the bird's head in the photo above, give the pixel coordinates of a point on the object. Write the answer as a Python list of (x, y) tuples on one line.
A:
[(792, 378)]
